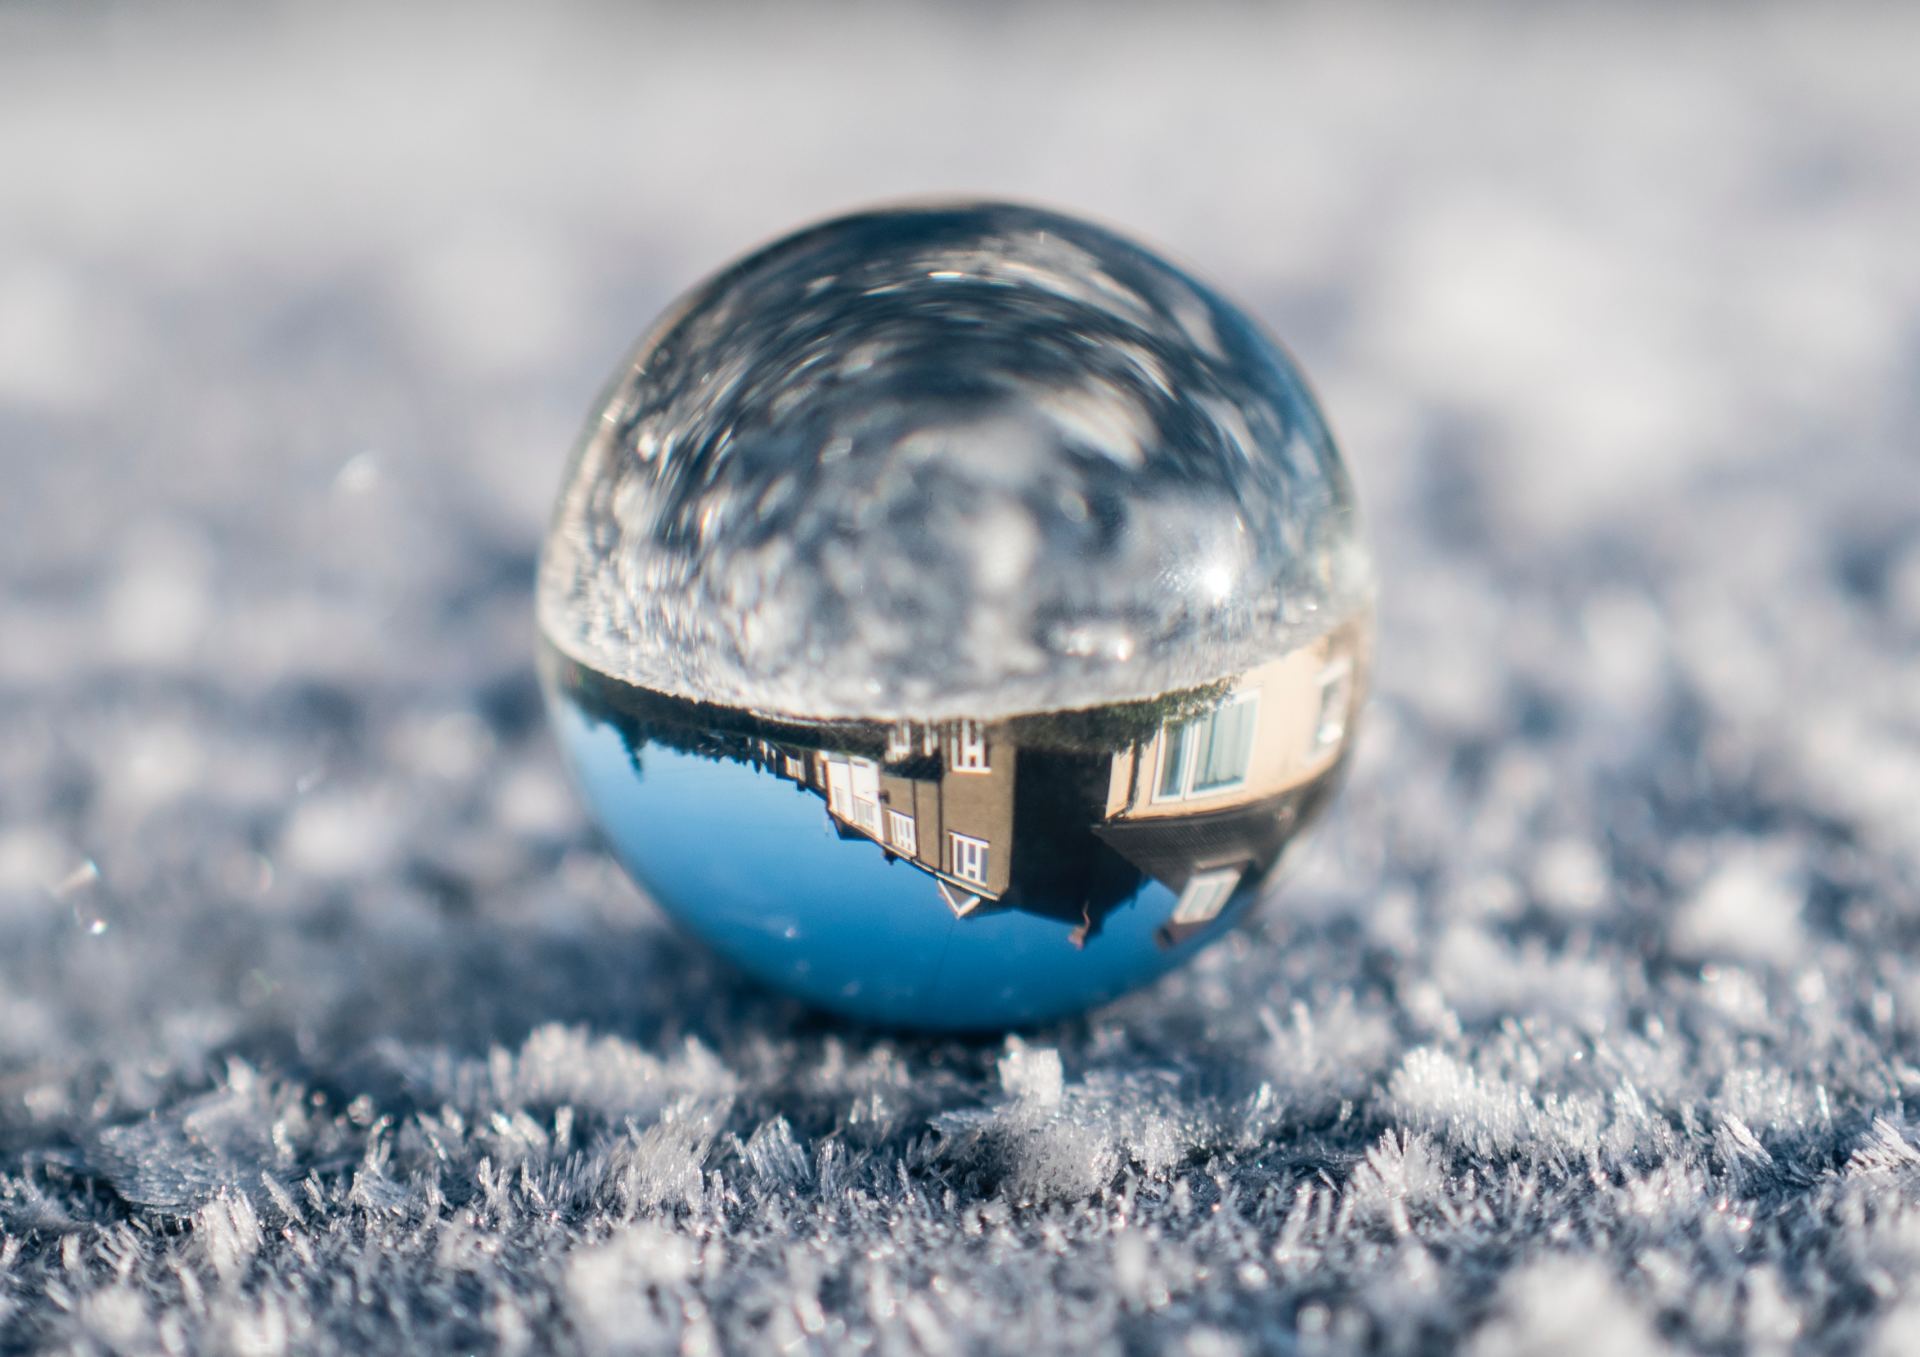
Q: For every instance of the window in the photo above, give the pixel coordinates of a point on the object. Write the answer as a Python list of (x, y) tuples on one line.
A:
[(1336, 695), (865, 776), (900, 833), (969, 858), (839, 788), (1173, 764), (853, 792), (899, 741), (796, 769), (1209, 753), (1206, 895), (969, 748)]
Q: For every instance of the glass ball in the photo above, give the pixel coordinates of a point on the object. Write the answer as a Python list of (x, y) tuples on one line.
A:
[(954, 614)]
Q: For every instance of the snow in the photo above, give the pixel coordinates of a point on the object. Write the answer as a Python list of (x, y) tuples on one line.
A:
[(1589, 1023)]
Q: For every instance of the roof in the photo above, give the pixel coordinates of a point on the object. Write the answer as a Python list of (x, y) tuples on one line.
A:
[(1172, 848)]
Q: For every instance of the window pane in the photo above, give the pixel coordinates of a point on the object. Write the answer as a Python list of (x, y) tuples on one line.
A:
[(969, 858), (1205, 896), (1173, 760), (839, 790), (969, 748), (1336, 691), (1226, 747)]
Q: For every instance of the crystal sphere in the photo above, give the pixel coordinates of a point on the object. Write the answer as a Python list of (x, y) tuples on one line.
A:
[(954, 613)]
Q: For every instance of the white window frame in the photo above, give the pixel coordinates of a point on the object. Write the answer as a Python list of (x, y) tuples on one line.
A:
[(901, 832), (864, 774), (968, 748), (899, 741), (1189, 751), (1205, 895), (839, 780), (1336, 696), (969, 857)]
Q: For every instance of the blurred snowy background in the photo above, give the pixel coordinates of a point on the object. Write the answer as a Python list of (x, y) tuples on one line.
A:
[(1593, 1023)]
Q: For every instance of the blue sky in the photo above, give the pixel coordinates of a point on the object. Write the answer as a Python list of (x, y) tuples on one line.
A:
[(750, 863)]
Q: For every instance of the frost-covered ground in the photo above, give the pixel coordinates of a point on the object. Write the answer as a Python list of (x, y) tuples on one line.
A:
[(1592, 1026)]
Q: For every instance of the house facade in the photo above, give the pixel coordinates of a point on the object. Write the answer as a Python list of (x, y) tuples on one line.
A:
[(943, 800), (1215, 797), (1206, 802)]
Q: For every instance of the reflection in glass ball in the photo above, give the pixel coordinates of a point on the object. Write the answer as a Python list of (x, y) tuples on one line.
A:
[(954, 613)]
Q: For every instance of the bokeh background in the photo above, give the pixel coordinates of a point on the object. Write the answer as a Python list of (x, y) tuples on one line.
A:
[(1589, 1024)]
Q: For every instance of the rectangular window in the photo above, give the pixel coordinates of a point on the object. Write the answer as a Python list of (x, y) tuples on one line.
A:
[(1173, 763), (969, 754), (839, 788), (1336, 695), (1208, 754), (899, 741), (969, 858), (864, 774), (796, 769), (1206, 895), (1220, 760), (900, 833)]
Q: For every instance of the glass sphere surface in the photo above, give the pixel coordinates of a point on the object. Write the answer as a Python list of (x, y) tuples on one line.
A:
[(953, 613)]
